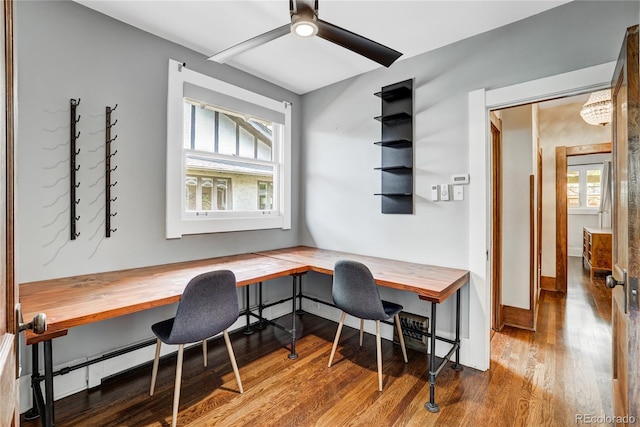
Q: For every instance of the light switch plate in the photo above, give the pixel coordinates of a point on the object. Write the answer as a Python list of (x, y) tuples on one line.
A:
[(434, 193), (444, 191), (458, 192)]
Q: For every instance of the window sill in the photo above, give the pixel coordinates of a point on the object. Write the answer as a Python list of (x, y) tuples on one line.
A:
[(225, 225)]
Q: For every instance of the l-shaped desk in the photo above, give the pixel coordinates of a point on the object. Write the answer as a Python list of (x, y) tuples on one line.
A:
[(80, 300)]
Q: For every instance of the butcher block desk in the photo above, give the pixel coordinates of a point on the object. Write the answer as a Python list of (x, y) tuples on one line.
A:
[(80, 300)]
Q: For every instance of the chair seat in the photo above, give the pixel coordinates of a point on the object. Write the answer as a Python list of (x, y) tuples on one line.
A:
[(391, 308)]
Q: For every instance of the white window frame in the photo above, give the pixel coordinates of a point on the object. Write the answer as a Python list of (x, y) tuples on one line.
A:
[(582, 181), (178, 224)]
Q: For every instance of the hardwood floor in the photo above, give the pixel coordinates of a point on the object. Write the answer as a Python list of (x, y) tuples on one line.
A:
[(542, 378)]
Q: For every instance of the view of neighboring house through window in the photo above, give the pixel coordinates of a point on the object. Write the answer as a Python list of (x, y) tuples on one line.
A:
[(583, 186), (228, 160)]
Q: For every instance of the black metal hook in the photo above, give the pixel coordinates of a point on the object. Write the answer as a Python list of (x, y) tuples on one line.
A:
[(78, 218), (114, 184), (78, 135), (114, 214), (74, 102), (114, 123), (113, 154), (113, 200), (112, 139), (78, 168), (111, 170), (77, 151), (77, 201), (113, 230), (114, 109), (77, 234), (78, 119), (77, 185)]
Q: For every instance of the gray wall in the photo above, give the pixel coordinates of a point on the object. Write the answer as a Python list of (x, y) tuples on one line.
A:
[(65, 50), (338, 155)]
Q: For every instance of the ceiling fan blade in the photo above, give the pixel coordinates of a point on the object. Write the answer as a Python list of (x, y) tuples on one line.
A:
[(375, 51), (225, 55)]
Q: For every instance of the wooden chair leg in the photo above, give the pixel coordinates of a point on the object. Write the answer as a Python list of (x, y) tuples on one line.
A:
[(176, 391), (401, 338), (335, 341), (232, 357), (204, 352), (361, 331), (379, 354), (154, 373)]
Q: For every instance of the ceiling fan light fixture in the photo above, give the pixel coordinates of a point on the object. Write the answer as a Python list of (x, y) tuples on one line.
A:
[(304, 27)]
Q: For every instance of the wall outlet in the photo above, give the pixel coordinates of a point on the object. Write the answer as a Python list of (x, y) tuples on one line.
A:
[(444, 191)]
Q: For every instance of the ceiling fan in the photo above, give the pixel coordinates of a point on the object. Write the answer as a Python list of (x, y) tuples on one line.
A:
[(305, 23)]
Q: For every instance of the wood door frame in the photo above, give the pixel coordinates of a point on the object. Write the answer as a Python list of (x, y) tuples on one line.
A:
[(497, 317), (562, 153), (8, 287)]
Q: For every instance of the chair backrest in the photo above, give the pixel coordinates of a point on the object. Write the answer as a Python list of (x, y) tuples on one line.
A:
[(208, 306), (355, 292)]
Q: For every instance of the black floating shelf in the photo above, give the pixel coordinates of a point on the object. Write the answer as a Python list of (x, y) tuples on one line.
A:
[(397, 143), (393, 118), (394, 168), (394, 94)]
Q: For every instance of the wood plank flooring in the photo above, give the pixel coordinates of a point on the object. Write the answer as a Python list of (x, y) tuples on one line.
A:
[(541, 378)]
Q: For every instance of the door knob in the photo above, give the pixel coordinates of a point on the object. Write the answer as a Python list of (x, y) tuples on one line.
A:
[(612, 282), (38, 324)]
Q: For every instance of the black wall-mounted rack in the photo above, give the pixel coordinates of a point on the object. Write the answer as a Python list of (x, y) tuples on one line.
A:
[(397, 148), (108, 169), (73, 168)]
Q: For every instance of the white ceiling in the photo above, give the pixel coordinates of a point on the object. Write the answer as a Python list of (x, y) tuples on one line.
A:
[(303, 65)]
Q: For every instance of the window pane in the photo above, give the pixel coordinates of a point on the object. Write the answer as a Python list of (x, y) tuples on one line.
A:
[(573, 189), (226, 135), (264, 150), (204, 128), (247, 144), (593, 188), (228, 184)]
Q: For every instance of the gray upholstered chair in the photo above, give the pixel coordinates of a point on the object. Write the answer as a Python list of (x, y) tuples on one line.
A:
[(355, 292), (209, 305)]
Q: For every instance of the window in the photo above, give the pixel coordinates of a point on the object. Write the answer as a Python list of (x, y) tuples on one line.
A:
[(583, 186), (228, 157)]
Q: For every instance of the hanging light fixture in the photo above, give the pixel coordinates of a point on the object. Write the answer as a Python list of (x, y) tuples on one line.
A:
[(597, 110)]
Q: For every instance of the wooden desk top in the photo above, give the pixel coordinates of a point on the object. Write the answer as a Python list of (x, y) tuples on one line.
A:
[(79, 300), (431, 283)]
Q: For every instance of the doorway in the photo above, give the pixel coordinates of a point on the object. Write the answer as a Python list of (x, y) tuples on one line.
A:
[(538, 128)]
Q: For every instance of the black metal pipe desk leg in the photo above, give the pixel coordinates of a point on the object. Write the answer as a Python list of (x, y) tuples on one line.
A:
[(37, 406), (293, 354), (248, 330), (48, 383), (457, 366), (431, 406), (261, 324)]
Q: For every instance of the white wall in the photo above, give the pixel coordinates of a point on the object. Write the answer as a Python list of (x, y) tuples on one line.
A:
[(517, 158), (561, 126)]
